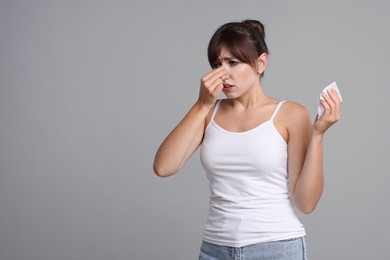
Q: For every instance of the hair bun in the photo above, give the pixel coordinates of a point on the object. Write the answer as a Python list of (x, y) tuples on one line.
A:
[(256, 25)]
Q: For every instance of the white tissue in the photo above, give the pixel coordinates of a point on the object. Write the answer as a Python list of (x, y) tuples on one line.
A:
[(320, 108)]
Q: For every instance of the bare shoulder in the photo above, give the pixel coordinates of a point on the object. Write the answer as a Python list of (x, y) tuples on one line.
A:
[(293, 111), (295, 118), (294, 107)]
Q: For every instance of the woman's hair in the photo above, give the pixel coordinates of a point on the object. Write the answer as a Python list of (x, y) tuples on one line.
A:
[(244, 40)]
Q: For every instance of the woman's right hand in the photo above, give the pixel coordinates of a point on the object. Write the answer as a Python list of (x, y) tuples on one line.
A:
[(211, 85)]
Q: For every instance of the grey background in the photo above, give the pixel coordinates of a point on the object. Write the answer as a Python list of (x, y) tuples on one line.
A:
[(89, 89)]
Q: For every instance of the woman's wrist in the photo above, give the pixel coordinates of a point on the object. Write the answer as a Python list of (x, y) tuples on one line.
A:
[(202, 106), (319, 136)]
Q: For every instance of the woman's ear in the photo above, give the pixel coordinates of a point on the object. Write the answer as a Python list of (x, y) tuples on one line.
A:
[(262, 62)]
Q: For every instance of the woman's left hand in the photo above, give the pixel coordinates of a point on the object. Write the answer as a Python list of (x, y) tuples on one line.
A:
[(332, 114)]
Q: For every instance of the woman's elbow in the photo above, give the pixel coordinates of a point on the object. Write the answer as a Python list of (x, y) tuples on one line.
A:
[(161, 171), (307, 209)]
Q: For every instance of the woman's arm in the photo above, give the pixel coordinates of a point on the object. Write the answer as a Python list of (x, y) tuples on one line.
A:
[(305, 152), (182, 142), (186, 137)]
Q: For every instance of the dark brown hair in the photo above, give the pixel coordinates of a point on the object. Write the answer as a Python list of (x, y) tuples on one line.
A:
[(244, 40)]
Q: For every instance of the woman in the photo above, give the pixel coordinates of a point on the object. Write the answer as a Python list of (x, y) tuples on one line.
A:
[(262, 156)]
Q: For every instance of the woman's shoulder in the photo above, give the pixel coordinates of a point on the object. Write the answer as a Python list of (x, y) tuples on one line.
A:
[(294, 106), (293, 111)]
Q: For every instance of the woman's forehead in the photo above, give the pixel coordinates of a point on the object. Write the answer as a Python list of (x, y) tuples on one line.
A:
[(225, 54)]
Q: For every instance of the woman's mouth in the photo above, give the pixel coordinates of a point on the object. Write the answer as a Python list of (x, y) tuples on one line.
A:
[(227, 87)]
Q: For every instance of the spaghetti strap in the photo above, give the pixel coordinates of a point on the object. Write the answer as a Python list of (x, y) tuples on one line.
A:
[(276, 110), (215, 109)]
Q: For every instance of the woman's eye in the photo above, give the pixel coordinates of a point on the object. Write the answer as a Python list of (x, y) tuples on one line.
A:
[(233, 62), (216, 65)]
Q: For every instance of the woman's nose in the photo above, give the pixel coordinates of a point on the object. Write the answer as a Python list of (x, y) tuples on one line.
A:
[(225, 66), (225, 77)]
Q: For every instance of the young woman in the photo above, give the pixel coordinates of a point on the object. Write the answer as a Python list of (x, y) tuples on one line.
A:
[(262, 156)]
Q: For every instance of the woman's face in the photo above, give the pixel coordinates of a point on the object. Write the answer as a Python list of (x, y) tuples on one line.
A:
[(241, 77)]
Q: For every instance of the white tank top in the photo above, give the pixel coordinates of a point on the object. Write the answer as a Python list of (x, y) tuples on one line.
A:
[(248, 181)]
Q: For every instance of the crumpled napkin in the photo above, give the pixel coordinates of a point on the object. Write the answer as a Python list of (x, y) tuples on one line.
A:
[(320, 108)]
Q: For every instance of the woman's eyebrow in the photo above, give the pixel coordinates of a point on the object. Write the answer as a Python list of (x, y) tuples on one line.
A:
[(226, 58)]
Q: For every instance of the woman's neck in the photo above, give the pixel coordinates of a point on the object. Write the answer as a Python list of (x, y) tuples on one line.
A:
[(252, 98)]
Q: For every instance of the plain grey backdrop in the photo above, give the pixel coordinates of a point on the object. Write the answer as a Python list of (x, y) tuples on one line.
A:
[(89, 90)]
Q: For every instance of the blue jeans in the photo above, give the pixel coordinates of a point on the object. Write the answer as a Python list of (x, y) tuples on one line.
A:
[(289, 249)]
